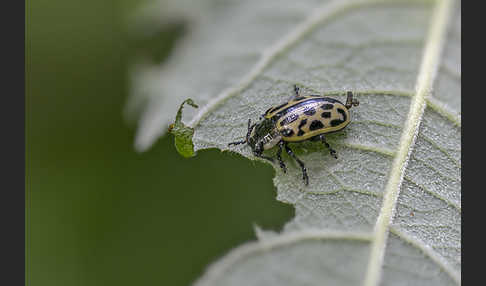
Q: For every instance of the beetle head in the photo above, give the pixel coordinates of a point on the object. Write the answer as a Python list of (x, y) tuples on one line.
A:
[(262, 136)]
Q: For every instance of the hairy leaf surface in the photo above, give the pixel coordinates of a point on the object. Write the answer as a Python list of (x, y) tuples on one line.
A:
[(388, 211)]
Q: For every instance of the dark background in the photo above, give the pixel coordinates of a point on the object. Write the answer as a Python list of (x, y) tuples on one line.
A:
[(97, 212)]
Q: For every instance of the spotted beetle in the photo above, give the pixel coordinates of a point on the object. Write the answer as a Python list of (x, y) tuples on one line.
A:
[(302, 118)]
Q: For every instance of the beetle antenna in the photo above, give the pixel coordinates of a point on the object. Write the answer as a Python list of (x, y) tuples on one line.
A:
[(250, 128), (350, 101), (247, 135)]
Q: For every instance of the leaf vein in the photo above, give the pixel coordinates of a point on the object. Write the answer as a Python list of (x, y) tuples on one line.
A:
[(428, 69), (429, 252)]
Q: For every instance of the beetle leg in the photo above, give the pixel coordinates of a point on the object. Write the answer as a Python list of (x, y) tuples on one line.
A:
[(296, 90), (279, 157), (302, 166), (237, 143), (331, 151), (350, 102)]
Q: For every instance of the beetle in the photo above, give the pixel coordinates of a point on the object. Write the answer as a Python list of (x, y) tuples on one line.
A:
[(302, 118)]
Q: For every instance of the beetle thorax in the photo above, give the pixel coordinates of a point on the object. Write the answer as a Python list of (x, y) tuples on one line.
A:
[(271, 139)]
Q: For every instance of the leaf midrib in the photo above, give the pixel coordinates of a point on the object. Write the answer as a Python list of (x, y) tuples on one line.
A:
[(428, 70)]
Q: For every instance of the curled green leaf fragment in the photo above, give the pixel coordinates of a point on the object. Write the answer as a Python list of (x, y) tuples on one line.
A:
[(183, 133)]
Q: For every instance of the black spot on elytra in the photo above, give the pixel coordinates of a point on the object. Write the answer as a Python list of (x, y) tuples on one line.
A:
[(342, 113), (327, 106), (311, 111), (301, 124), (287, 132), (297, 98), (316, 124), (291, 118), (326, 114), (336, 122)]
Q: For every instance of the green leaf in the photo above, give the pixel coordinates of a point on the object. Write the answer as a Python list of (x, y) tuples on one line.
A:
[(182, 133), (388, 211)]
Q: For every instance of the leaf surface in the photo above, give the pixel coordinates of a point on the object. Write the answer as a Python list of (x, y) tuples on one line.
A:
[(388, 211)]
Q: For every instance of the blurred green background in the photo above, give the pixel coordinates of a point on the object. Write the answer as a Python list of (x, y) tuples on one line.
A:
[(98, 213)]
